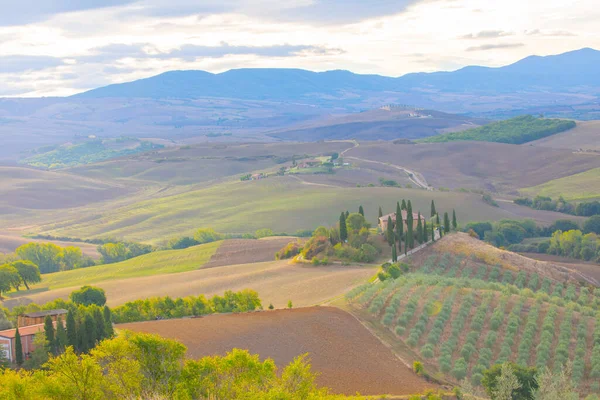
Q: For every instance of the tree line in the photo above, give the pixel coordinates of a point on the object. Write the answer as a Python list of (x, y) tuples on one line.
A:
[(166, 307), (582, 209), (407, 238)]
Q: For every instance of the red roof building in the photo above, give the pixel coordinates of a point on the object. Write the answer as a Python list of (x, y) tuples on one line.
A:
[(383, 221)]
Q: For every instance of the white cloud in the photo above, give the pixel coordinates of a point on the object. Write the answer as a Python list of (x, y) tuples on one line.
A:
[(66, 48)]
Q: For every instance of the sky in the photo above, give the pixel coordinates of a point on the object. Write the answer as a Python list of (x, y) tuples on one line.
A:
[(62, 47)]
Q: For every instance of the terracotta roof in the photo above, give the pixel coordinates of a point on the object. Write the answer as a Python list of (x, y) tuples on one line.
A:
[(45, 313), (24, 331), (404, 215)]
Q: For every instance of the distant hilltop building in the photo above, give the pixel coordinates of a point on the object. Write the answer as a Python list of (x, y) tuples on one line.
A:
[(400, 107), (383, 221)]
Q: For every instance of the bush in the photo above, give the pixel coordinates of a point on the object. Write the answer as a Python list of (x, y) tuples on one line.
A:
[(88, 295), (418, 368), (316, 245), (290, 250)]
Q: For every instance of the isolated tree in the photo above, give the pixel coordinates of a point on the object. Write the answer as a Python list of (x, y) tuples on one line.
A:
[(506, 384), (289, 304), (49, 333), (361, 210), (446, 223), (454, 223), (108, 326), (403, 206), (592, 225), (380, 212), (9, 278), (89, 295), (72, 330), (28, 271), (394, 253), (61, 337), (343, 229), (390, 231), (18, 348), (433, 212)]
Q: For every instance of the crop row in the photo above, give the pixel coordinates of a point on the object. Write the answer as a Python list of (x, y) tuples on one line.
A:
[(528, 336), (419, 329), (512, 327), (561, 353)]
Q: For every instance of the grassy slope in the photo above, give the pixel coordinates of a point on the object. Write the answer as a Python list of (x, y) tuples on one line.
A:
[(583, 186), (282, 204), (160, 262), (495, 167), (583, 136), (275, 281), (516, 130)]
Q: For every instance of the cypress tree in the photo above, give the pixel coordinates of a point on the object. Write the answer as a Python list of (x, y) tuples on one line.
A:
[(49, 331), (89, 338), (399, 224), (394, 253), (347, 213), (108, 326), (72, 331), (61, 336), (425, 232), (437, 219), (18, 348), (454, 223), (390, 231), (410, 240), (361, 211), (380, 212), (99, 320), (446, 223), (343, 229), (403, 204), (433, 212), (419, 229), (432, 233)]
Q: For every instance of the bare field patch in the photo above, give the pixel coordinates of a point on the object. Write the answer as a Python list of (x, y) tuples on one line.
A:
[(494, 167), (276, 282), (347, 356), (247, 251)]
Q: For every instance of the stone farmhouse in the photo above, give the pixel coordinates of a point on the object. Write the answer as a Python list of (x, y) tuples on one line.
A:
[(383, 221)]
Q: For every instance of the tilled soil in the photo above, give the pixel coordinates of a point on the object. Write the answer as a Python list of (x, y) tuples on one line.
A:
[(348, 358), (247, 251)]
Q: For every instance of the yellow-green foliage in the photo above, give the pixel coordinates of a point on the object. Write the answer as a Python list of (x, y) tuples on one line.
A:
[(159, 262), (582, 186), (137, 365)]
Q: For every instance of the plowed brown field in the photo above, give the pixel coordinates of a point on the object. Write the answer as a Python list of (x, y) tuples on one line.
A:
[(347, 356), (247, 251)]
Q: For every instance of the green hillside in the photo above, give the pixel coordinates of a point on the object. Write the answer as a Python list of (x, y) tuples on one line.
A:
[(282, 204), (89, 151), (582, 186), (517, 130), (159, 262), (461, 315)]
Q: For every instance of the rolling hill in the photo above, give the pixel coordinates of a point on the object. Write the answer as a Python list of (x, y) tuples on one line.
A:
[(386, 123), (585, 136), (558, 72), (197, 106)]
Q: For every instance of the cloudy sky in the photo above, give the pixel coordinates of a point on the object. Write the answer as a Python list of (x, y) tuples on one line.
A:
[(61, 47)]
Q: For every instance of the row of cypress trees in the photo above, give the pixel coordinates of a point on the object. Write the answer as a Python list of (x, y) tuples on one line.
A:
[(85, 327), (422, 229)]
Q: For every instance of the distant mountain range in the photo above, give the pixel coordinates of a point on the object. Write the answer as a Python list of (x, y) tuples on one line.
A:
[(573, 72), (294, 104)]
